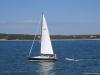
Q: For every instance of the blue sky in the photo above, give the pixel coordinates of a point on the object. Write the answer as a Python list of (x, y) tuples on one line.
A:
[(68, 17)]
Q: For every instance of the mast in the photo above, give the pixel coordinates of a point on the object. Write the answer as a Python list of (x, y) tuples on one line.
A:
[(46, 47)]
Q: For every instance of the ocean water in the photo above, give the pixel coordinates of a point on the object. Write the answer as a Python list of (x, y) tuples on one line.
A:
[(75, 57)]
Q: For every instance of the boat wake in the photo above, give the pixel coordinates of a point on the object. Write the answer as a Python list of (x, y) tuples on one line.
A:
[(90, 73), (71, 59)]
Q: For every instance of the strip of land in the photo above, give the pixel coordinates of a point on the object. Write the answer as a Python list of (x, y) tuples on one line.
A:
[(53, 37)]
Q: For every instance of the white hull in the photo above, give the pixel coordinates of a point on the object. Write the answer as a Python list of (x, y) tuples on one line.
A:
[(42, 58)]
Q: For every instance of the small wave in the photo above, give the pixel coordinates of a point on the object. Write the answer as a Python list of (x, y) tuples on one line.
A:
[(90, 73), (70, 59)]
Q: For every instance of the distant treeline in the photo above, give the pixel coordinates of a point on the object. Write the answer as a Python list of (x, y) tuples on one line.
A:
[(31, 37)]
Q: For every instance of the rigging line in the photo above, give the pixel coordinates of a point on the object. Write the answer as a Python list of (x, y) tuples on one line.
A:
[(32, 45)]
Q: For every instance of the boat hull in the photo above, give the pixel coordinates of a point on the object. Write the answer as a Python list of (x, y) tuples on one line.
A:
[(41, 59)]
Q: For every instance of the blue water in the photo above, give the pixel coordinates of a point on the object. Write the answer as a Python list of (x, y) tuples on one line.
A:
[(84, 55)]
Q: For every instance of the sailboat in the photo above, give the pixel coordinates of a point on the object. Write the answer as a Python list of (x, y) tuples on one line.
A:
[(46, 50)]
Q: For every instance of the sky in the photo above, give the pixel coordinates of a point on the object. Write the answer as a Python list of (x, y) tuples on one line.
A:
[(64, 17)]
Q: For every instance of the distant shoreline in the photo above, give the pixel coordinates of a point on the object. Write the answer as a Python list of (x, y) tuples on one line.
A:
[(53, 37), (52, 40)]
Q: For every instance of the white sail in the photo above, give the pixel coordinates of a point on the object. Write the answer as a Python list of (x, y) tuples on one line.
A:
[(46, 47)]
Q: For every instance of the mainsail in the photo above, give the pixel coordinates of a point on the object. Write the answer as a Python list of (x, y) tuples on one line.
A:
[(46, 47)]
